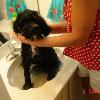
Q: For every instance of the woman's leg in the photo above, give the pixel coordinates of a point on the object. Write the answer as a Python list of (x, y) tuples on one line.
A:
[(94, 96), (86, 84), (90, 78), (94, 84), (90, 93)]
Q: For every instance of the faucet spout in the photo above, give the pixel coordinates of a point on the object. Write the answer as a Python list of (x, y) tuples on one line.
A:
[(14, 51)]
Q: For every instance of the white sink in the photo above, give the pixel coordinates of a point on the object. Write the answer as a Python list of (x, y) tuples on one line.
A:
[(43, 90), (16, 72)]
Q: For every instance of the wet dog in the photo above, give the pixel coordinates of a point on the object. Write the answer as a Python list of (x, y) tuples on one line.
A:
[(32, 26)]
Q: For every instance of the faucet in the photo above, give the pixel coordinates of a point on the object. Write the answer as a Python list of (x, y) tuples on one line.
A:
[(14, 51)]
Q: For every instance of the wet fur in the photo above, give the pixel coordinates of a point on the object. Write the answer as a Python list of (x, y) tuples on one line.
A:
[(32, 26)]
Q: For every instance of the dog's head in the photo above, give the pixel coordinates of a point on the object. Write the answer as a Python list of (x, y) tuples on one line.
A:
[(31, 25)]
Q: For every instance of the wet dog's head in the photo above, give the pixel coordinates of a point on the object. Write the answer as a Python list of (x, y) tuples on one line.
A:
[(31, 25)]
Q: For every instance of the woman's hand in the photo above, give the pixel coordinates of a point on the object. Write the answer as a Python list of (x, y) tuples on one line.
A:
[(21, 38)]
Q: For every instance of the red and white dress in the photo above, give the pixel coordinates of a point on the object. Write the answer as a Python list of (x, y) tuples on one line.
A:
[(89, 53)]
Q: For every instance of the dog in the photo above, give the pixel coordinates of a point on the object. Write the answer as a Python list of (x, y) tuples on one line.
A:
[(32, 26)]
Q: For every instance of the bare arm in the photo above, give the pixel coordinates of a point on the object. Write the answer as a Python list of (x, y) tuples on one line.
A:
[(83, 19), (59, 27)]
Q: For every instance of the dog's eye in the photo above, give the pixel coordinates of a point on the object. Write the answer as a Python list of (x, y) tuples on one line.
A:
[(36, 29), (34, 26)]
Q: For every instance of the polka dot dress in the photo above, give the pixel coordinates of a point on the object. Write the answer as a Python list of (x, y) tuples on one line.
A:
[(89, 53)]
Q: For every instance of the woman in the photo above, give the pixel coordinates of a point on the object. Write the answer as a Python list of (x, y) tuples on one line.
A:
[(80, 35)]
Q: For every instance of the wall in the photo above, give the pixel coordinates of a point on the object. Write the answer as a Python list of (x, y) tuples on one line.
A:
[(31, 4), (2, 9), (43, 5)]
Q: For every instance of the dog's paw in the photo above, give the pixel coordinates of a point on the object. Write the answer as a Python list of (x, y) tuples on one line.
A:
[(27, 86)]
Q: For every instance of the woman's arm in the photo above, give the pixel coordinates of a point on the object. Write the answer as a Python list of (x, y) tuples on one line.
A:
[(58, 28), (83, 19)]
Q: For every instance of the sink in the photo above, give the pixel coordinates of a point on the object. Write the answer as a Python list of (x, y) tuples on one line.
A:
[(11, 81), (12, 77), (16, 72)]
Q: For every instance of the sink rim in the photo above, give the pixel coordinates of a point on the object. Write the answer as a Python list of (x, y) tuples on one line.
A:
[(17, 63)]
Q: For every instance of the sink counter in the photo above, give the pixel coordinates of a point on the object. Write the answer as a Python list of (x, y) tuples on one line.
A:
[(49, 91)]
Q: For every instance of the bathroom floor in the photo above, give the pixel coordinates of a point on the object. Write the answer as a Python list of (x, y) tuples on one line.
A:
[(17, 78)]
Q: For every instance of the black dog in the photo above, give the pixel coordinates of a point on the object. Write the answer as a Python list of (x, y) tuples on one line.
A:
[(32, 26)]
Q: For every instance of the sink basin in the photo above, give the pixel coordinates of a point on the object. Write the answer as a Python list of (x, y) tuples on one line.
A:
[(11, 82), (16, 72), (12, 77)]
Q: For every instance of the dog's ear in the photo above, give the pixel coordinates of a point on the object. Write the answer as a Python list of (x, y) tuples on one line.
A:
[(17, 24), (45, 29), (21, 19)]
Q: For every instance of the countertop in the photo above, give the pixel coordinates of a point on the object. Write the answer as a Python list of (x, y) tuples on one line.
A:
[(50, 89)]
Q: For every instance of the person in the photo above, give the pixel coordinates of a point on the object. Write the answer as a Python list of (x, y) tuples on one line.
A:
[(80, 35)]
